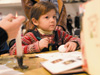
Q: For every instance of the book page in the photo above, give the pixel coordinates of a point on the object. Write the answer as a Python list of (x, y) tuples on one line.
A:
[(59, 62), (51, 56)]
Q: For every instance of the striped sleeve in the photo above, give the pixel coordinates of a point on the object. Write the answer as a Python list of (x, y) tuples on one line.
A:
[(67, 37), (29, 44)]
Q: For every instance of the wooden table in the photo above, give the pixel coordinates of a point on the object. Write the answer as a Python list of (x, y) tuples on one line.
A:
[(30, 60)]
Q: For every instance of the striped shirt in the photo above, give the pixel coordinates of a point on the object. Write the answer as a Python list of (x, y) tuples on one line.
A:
[(30, 41)]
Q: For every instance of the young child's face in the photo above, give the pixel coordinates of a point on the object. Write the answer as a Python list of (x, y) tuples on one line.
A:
[(47, 21)]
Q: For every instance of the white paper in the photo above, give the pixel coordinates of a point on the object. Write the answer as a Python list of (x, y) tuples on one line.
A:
[(59, 62), (91, 37), (60, 67), (56, 55), (4, 70)]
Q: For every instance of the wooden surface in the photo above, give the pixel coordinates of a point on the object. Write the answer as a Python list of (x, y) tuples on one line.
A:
[(30, 60)]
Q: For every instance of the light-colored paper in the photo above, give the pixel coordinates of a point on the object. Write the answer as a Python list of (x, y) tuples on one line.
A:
[(51, 56), (60, 62), (91, 33), (4, 70)]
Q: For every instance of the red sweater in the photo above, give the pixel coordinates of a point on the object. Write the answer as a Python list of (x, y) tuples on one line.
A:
[(30, 42)]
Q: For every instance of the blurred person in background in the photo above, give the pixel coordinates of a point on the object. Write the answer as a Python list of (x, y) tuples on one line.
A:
[(77, 20), (69, 24)]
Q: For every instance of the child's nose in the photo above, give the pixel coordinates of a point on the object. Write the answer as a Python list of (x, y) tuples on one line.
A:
[(52, 19)]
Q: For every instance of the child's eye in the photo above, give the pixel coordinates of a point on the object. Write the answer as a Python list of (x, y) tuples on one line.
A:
[(46, 17), (54, 17)]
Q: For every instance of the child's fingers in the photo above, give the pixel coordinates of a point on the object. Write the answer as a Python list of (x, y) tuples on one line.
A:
[(72, 48), (68, 48), (46, 46), (47, 39), (66, 45), (46, 42)]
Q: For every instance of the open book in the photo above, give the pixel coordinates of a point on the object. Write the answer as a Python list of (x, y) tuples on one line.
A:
[(62, 63)]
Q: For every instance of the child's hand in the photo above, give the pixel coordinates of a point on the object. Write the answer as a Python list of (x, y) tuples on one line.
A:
[(71, 46), (43, 43)]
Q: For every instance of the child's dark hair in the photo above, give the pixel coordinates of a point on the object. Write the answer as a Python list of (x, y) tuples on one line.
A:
[(37, 10), (61, 27), (41, 8)]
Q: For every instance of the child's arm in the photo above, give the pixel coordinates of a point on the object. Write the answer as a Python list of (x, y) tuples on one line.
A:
[(29, 44), (72, 43)]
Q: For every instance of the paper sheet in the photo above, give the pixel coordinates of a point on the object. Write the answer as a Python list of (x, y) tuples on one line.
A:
[(59, 62), (4, 70), (56, 55)]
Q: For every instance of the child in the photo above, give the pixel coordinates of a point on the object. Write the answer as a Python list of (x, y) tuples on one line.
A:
[(61, 20), (43, 37)]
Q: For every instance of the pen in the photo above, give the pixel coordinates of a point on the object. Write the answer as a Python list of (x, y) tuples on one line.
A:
[(33, 57)]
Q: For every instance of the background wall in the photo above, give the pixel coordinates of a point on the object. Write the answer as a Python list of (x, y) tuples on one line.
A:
[(13, 10), (71, 9), (6, 8)]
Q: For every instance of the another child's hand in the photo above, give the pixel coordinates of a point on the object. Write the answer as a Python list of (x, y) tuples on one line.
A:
[(71, 46), (43, 43)]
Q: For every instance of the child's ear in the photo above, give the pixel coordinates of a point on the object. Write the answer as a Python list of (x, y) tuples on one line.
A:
[(35, 22)]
